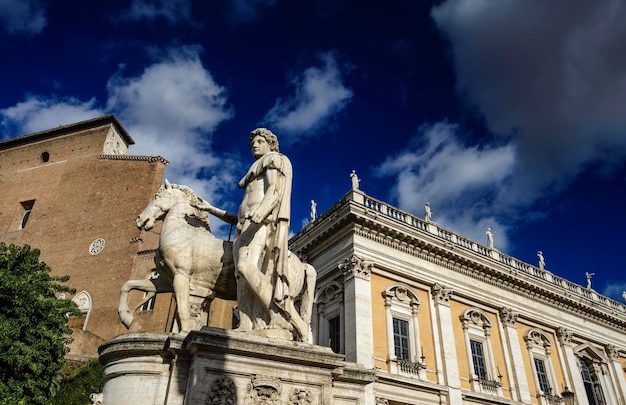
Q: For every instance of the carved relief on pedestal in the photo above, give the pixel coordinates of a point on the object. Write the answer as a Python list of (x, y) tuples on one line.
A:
[(440, 294), (508, 316), (382, 401), (300, 396), (222, 392), (355, 266), (264, 391)]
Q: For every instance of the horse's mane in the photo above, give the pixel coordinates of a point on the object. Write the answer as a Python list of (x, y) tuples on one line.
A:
[(193, 199)]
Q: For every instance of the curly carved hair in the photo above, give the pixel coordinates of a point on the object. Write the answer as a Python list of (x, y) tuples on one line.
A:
[(269, 136)]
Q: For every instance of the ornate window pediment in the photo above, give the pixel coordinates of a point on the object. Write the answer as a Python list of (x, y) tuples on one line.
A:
[(484, 377), (538, 344), (403, 338)]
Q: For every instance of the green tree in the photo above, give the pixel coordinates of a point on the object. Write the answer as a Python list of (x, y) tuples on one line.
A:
[(33, 326)]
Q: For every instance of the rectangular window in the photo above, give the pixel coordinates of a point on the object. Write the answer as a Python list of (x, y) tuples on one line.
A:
[(592, 387), (542, 376), (401, 339), (478, 358), (334, 334)]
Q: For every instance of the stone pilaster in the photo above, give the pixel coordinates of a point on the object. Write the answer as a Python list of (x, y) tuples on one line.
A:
[(616, 372), (441, 299), (513, 350), (572, 370), (359, 346)]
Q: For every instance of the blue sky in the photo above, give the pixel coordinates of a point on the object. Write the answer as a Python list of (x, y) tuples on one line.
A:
[(508, 114)]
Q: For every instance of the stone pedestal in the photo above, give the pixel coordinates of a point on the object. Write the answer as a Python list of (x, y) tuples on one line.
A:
[(215, 366)]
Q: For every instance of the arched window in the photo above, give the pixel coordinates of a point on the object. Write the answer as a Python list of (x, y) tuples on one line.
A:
[(485, 376), (45, 157), (403, 336), (83, 300), (329, 319), (538, 344)]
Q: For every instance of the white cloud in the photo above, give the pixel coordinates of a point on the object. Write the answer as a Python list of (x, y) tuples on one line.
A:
[(614, 289), (552, 75), (550, 80), (37, 113), (172, 11), (319, 96), (459, 182), (172, 108), (23, 16)]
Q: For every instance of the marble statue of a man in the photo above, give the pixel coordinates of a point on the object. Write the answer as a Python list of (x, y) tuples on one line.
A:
[(260, 245)]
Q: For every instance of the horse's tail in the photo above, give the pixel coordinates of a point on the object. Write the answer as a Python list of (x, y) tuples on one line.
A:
[(308, 295)]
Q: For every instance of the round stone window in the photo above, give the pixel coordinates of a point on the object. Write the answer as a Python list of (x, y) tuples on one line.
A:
[(96, 246)]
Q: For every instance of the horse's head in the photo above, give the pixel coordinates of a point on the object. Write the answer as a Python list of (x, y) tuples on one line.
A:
[(167, 197), (163, 200)]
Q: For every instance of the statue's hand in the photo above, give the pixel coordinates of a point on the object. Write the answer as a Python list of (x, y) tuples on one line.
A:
[(202, 204), (255, 217)]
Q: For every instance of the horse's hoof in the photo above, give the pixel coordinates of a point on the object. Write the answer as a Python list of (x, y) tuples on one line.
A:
[(127, 318)]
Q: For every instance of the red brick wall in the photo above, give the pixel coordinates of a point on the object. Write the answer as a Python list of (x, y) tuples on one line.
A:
[(80, 197)]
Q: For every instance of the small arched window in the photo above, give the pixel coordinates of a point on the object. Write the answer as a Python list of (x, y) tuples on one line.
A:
[(330, 316), (28, 208), (45, 156)]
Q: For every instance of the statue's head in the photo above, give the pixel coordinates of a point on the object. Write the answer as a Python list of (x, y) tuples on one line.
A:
[(271, 139)]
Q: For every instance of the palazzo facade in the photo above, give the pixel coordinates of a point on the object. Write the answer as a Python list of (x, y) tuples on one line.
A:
[(445, 320)]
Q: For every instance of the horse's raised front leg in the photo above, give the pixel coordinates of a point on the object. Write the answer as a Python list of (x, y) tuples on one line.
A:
[(126, 315)]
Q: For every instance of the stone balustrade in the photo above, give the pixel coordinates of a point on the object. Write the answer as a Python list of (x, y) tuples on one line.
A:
[(537, 274)]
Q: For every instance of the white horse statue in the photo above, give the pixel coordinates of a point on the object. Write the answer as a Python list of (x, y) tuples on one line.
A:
[(189, 254)]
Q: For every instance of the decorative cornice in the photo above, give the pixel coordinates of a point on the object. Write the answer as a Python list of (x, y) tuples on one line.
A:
[(149, 159)]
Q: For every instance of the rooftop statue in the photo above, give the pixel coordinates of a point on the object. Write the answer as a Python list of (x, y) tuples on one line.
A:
[(542, 262), (256, 268), (313, 210), (490, 237), (428, 213), (588, 277), (355, 180)]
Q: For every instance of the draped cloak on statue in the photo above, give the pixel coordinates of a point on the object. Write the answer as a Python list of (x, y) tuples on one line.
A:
[(279, 216)]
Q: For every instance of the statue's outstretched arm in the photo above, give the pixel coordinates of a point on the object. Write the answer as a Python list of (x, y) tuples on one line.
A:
[(228, 217)]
